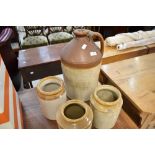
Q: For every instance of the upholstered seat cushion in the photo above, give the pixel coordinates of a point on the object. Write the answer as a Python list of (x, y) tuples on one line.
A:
[(32, 41), (59, 37)]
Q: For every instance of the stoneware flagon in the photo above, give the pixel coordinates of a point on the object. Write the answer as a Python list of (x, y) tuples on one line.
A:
[(51, 95), (81, 62), (74, 114), (106, 103)]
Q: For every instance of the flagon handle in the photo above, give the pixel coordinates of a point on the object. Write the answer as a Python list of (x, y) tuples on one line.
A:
[(92, 35), (97, 36)]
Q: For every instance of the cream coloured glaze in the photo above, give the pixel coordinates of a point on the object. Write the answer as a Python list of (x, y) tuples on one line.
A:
[(106, 106), (51, 94), (80, 83), (49, 107), (74, 114)]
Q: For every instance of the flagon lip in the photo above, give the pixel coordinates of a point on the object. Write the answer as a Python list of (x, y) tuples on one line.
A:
[(81, 32), (107, 87), (52, 94)]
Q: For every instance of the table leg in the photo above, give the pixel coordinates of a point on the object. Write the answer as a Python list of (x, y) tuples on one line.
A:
[(150, 118), (28, 85), (31, 85)]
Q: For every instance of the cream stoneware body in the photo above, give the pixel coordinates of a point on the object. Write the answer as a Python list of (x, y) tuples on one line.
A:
[(51, 94), (81, 62), (106, 103), (74, 114), (80, 83)]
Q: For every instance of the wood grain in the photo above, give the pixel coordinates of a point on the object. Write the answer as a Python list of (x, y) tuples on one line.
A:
[(51, 53), (39, 55), (33, 118), (111, 54), (35, 60), (136, 79)]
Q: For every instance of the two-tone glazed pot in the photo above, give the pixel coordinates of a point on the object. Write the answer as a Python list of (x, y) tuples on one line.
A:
[(106, 103), (74, 114), (81, 63), (51, 95)]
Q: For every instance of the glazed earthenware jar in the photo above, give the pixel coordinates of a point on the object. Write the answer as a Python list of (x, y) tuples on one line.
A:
[(106, 103), (51, 95), (81, 62), (74, 114)]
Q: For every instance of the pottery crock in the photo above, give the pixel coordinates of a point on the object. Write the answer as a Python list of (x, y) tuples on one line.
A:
[(74, 114), (106, 103), (51, 94), (81, 62)]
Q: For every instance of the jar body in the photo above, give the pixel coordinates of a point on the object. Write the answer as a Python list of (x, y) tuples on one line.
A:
[(105, 116), (50, 107), (80, 82), (51, 94), (74, 114)]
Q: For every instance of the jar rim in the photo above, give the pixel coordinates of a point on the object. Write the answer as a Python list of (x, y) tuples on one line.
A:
[(51, 79), (70, 102), (107, 87)]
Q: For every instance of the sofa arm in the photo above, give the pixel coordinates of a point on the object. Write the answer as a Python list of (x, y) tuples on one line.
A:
[(9, 57), (6, 35)]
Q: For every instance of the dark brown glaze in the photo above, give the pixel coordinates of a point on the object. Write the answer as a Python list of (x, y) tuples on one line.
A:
[(81, 51)]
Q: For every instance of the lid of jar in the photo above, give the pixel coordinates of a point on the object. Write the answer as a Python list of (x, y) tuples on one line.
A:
[(81, 51)]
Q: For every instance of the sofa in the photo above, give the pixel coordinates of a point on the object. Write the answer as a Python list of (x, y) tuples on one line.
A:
[(9, 57), (35, 36)]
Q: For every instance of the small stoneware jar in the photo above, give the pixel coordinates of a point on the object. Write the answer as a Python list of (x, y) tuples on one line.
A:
[(51, 94), (81, 62), (106, 103), (74, 114)]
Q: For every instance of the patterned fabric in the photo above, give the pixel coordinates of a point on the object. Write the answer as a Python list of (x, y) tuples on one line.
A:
[(69, 28), (32, 41), (59, 37), (5, 35), (54, 36), (54, 29), (10, 106)]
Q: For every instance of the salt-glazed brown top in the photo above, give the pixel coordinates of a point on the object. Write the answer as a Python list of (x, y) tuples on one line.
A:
[(81, 51)]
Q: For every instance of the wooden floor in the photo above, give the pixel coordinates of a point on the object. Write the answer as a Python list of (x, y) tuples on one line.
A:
[(33, 118)]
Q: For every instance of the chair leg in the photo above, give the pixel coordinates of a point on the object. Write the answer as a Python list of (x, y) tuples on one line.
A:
[(31, 85)]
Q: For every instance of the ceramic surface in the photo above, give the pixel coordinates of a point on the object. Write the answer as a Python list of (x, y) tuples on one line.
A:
[(80, 83), (74, 114), (106, 103), (81, 63), (51, 94)]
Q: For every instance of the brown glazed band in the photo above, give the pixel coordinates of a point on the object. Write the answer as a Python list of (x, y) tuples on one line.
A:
[(50, 95), (104, 103), (81, 121), (86, 66)]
